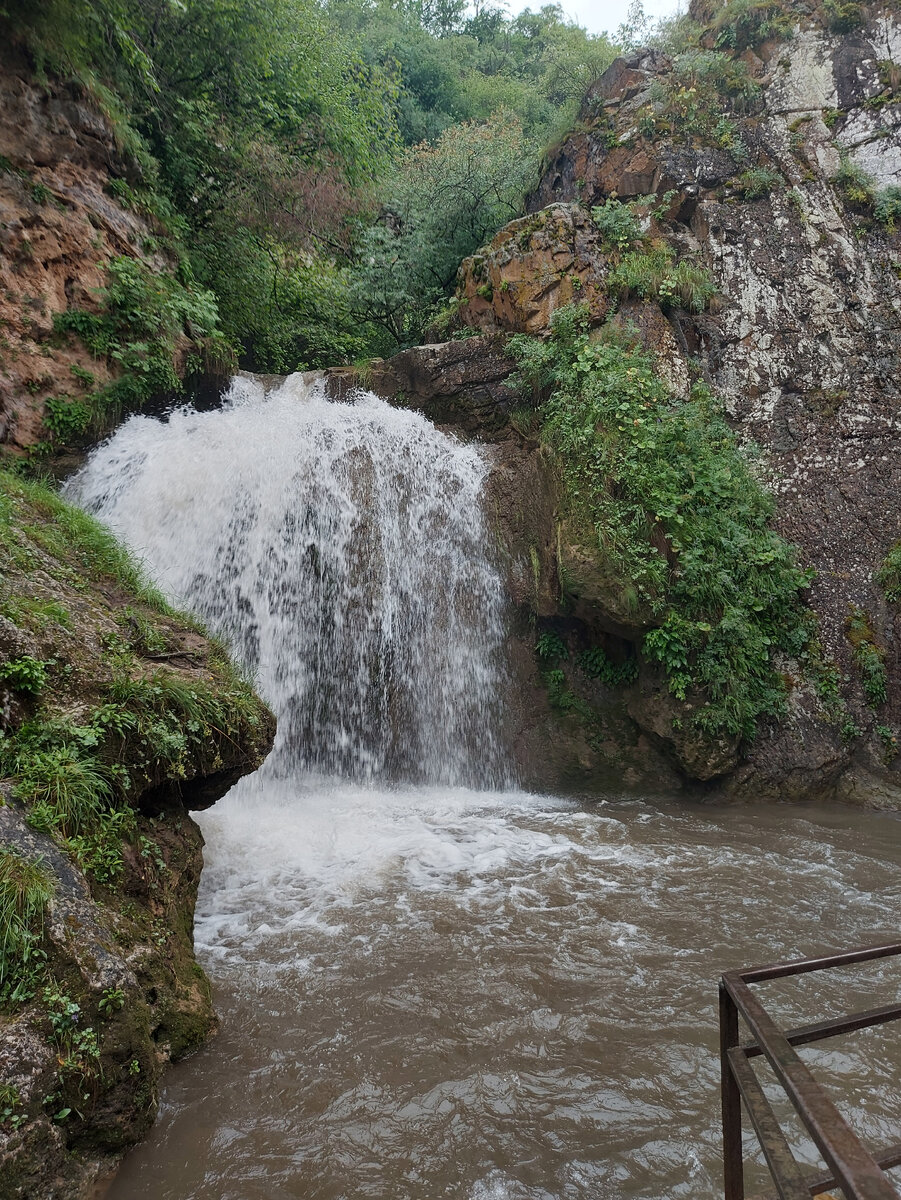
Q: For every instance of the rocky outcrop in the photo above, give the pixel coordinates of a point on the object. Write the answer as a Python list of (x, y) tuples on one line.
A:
[(117, 717), (771, 181)]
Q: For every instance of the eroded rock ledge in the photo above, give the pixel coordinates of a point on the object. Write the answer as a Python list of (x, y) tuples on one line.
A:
[(103, 688)]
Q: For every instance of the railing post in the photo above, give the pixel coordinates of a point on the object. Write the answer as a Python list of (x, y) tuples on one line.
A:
[(733, 1165)]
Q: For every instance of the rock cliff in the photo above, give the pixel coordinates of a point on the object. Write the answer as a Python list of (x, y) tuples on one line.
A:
[(766, 157), (117, 716)]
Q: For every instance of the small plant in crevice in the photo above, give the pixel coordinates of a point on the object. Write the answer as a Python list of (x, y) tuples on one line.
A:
[(854, 184), (889, 575), (24, 674), (550, 647), (12, 1111), (757, 182), (597, 665), (25, 892), (869, 658), (889, 740), (679, 515)]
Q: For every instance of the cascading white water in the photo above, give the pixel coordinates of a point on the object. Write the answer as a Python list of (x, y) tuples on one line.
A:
[(432, 991), (340, 549)]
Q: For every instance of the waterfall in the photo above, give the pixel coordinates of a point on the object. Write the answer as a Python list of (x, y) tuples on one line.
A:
[(341, 551)]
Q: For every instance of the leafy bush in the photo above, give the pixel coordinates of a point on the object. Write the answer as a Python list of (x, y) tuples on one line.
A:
[(24, 674), (551, 646), (744, 24), (887, 208), (66, 420), (757, 182), (854, 184), (144, 316), (843, 16), (617, 224), (596, 665), (642, 466), (654, 274), (889, 574)]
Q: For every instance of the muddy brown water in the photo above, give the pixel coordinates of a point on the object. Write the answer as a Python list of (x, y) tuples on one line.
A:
[(497, 996)]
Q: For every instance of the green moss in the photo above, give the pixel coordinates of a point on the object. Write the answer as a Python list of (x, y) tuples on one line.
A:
[(678, 513), (744, 24)]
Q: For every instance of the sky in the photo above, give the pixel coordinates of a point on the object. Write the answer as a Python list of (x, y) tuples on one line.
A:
[(599, 16)]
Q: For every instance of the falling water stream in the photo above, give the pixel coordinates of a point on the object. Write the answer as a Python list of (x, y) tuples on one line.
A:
[(433, 984)]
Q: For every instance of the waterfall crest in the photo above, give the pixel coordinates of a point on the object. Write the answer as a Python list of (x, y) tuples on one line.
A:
[(341, 551)]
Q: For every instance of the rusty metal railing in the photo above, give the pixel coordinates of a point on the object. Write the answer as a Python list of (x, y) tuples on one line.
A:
[(852, 1167)]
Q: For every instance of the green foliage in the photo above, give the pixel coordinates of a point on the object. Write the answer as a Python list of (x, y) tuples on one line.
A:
[(887, 207), (654, 274), (617, 224), (869, 658), (647, 471), (144, 316), (66, 420), (551, 646), (697, 98), (596, 665), (444, 201), (111, 1002), (25, 892), (24, 674), (757, 182), (889, 740), (843, 16), (854, 184), (744, 24), (889, 574), (12, 1114)]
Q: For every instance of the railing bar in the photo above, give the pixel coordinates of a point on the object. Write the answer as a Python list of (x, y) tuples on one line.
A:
[(845, 1154), (788, 1177), (888, 1158), (801, 966), (803, 1035)]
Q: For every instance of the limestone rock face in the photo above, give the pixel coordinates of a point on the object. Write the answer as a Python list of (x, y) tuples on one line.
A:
[(59, 228), (803, 340), (532, 267)]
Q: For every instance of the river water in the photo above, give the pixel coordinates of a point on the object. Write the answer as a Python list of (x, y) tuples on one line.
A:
[(432, 984)]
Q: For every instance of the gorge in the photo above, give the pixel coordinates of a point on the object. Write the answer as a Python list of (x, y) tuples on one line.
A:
[(524, 645)]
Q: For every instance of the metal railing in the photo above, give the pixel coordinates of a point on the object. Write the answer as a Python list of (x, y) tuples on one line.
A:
[(852, 1167)]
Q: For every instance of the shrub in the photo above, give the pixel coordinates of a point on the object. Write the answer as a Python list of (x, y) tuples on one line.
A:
[(743, 24), (647, 470), (757, 182), (854, 184), (887, 207), (617, 224), (842, 16), (654, 274), (889, 574)]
